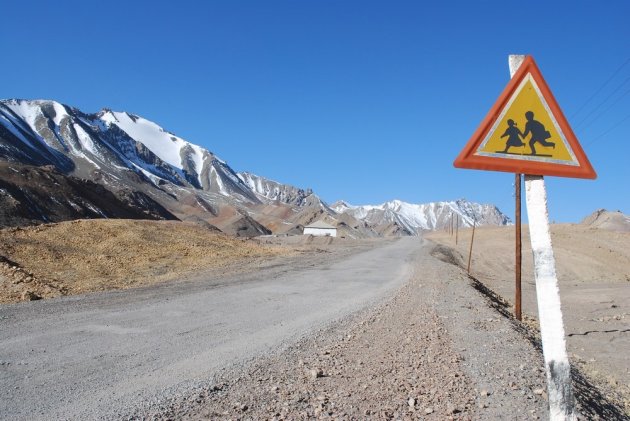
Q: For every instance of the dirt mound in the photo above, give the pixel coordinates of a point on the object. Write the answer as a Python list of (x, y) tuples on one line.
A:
[(237, 222), (448, 255), (92, 255), (309, 241)]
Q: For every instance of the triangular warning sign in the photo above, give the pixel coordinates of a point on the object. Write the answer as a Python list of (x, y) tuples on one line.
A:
[(525, 132)]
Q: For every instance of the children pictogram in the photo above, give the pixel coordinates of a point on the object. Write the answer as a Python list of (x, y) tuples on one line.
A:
[(540, 138), (538, 135)]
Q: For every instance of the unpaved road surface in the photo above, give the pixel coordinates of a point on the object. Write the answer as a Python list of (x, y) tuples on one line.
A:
[(390, 330), (100, 355), (443, 347)]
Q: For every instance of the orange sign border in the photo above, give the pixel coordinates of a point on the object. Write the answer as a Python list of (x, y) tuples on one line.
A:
[(468, 159)]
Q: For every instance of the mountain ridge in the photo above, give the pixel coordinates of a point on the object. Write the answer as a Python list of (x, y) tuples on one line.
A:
[(415, 218), (124, 151)]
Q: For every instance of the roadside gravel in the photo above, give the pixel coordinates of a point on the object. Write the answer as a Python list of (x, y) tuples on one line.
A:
[(435, 350)]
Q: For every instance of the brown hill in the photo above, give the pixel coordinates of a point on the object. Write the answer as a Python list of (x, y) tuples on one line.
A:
[(94, 255), (608, 220)]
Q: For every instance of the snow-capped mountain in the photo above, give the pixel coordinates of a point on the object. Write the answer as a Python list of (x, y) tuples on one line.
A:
[(413, 218), (127, 153), (114, 143)]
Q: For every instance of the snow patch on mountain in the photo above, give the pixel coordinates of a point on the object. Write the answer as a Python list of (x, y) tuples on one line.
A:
[(164, 145), (25, 110)]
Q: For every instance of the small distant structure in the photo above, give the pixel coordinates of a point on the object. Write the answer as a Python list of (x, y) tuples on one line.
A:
[(320, 228)]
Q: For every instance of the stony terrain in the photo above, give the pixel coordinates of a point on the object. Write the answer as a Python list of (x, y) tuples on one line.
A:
[(444, 347)]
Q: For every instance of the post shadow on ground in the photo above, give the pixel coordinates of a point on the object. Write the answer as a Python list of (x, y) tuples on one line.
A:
[(591, 402)]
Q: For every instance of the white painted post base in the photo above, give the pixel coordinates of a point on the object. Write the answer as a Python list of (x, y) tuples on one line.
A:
[(561, 401)]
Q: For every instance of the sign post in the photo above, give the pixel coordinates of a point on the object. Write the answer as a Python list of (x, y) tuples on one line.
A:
[(558, 370), (515, 62), (545, 146), (517, 249)]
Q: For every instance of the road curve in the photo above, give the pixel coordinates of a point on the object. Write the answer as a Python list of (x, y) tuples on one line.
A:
[(99, 356)]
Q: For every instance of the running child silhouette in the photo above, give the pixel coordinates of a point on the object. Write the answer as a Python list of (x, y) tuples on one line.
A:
[(513, 133), (539, 134)]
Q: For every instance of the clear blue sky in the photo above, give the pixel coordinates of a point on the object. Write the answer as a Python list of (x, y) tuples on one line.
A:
[(365, 101)]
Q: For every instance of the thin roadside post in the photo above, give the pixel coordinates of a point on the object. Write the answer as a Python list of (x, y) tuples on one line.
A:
[(472, 240), (518, 251), (456, 229)]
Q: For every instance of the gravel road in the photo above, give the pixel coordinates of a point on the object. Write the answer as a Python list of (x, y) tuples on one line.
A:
[(105, 355), (389, 331)]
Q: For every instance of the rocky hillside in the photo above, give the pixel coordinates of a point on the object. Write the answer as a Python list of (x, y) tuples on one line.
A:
[(34, 195), (274, 191)]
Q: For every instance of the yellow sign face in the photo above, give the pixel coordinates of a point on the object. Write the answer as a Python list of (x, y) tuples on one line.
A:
[(527, 130)]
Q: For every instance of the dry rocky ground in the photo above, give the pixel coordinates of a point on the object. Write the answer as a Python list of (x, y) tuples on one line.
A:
[(593, 267), (434, 350)]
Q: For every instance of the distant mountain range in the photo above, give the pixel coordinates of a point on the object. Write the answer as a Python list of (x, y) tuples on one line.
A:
[(411, 219), (145, 171)]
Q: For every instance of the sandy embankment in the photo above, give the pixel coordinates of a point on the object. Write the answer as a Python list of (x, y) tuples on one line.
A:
[(83, 256), (593, 267)]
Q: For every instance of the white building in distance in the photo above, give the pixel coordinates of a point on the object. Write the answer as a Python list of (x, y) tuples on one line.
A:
[(320, 228)]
